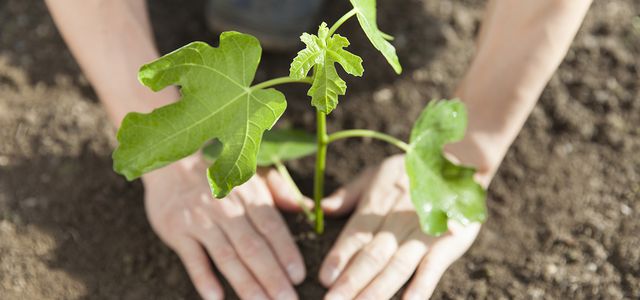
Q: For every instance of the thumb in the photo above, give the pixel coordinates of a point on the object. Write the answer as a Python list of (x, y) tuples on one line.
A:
[(284, 195), (345, 199)]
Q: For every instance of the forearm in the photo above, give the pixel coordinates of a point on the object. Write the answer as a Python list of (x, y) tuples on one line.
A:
[(111, 39), (520, 46)]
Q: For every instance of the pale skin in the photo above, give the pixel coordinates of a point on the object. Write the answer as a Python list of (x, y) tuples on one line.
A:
[(521, 43)]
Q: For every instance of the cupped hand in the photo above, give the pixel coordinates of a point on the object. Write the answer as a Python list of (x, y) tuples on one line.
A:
[(382, 244), (243, 234)]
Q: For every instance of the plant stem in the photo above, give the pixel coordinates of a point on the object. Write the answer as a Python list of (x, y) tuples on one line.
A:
[(343, 19), (318, 180), (282, 169), (368, 133), (281, 80)]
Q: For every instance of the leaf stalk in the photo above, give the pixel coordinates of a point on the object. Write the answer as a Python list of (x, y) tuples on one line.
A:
[(368, 133), (282, 169), (340, 21), (281, 80)]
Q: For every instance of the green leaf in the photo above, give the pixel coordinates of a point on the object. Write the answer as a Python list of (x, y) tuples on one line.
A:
[(366, 14), (285, 144), (278, 145), (217, 102), (321, 54), (440, 189)]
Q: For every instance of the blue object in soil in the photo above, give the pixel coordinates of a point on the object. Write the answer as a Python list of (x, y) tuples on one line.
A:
[(277, 23)]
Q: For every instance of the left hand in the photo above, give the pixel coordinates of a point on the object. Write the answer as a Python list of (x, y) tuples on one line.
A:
[(382, 244)]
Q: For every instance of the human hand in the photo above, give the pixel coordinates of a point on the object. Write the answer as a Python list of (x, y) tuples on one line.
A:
[(244, 234), (382, 244)]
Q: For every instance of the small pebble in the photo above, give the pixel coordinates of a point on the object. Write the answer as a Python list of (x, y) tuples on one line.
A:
[(383, 95), (625, 209), (551, 269), (4, 161)]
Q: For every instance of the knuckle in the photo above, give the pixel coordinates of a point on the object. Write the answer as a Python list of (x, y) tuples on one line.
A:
[(250, 245), (348, 282), (359, 239), (200, 277), (224, 253), (269, 226), (374, 256), (250, 290), (402, 266), (167, 228)]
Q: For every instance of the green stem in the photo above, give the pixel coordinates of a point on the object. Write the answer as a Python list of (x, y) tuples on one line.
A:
[(368, 133), (280, 80), (318, 180), (343, 19), (387, 36), (282, 169)]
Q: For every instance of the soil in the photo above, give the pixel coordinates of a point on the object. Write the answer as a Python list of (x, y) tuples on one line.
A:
[(564, 207)]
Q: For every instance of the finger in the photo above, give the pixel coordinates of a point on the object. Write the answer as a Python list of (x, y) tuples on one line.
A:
[(228, 262), (344, 199), (445, 250), (282, 192), (196, 261), (399, 269), (364, 267), (252, 248), (374, 256), (369, 216), (270, 224)]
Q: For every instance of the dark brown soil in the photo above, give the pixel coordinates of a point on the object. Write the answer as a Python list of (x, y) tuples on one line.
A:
[(564, 207)]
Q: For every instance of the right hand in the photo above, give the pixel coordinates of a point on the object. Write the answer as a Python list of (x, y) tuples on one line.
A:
[(244, 234)]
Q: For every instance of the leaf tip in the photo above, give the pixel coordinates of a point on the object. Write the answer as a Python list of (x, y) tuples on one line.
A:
[(217, 191)]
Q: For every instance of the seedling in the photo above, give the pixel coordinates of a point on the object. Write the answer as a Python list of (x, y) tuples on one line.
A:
[(221, 108)]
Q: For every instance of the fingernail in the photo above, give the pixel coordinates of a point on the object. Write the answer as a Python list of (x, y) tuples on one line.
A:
[(334, 296), (287, 295), (412, 296), (329, 202), (259, 297), (329, 275), (214, 295), (296, 272)]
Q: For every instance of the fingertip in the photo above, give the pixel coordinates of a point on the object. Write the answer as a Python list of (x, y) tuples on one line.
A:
[(283, 195), (334, 295), (199, 269), (215, 294), (329, 271), (412, 295), (332, 204), (297, 272), (328, 277), (308, 203)]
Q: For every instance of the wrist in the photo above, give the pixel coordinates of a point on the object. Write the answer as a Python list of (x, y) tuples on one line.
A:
[(477, 153), (133, 97), (495, 117), (491, 129)]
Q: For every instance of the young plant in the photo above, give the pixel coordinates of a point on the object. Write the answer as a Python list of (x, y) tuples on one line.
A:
[(221, 108)]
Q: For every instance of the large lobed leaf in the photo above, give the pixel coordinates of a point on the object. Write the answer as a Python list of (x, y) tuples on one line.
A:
[(217, 102), (321, 54), (366, 14), (440, 189)]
